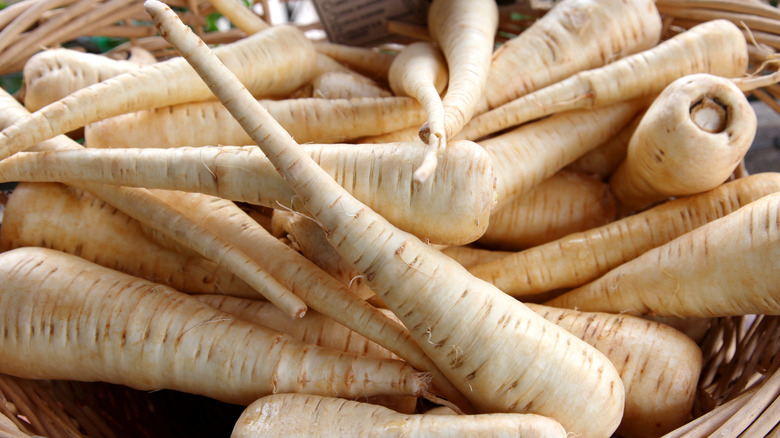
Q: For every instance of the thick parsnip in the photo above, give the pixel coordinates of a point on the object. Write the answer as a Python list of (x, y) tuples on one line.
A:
[(500, 354), (66, 318)]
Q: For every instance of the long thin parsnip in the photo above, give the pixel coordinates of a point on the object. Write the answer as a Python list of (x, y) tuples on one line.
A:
[(565, 203), (274, 62), (575, 35), (283, 415), (452, 207), (717, 47), (346, 85), (690, 140), (71, 220), (465, 31), (320, 291), (374, 63), (500, 354), (582, 257), (603, 160), (208, 123), (66, 318), (420, 71), (730, 266), (659, 365)]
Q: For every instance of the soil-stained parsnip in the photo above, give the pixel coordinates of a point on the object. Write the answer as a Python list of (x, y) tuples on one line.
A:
[(53, 74), (371, 62), (717, 47), (564, 203), (71, 220), (274, 62), (319, 290), (208, 123), (529, 154), (575, 35), (283, 415), (67, 318), (451, 207), (308, 238), (582, 257), (690, 140), (659, 365), (500, 354), (314, 328), (465, 31), (728, 267), (420, 71)]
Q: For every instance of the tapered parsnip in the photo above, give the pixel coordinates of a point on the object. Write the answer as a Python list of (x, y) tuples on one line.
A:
[(603, 160), (464, 30), (70, 220), (238, 14), (274, 62), (374, 63), (314, 328), (575, 35), (66, 318), (717, 47), (529, 154), (465, 325), (582, 257), (312, 242), (564, 203), (452, 207), (468, 255), (283, 415), (209, 123), (659, 366), (690, 140), (420, 71), (338, 85), (53, 74), (156, 214), (730, 266), (320, 291), (9, 429)]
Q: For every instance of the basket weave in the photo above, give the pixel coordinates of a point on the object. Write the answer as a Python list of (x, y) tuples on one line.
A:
[(739, 389)]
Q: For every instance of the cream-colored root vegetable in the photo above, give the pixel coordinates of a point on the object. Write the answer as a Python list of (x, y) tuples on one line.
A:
[(575, 35), (208, 123), (730, 266), (283, 415), (690, 140), (66, 318), (582, 257), (342, 85), (659, 365), (368, 61), (420, 71), (71, 220), (565, 203), (717, 47), (497, 352)]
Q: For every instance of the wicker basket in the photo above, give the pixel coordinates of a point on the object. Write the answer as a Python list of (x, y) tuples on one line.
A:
[(739, 390)]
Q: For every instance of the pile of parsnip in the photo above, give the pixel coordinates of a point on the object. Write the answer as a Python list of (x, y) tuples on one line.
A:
[(340, 238)]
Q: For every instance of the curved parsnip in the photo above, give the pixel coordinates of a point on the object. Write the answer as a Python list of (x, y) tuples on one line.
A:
[(728, 267), (497, 352), (465, 31), (74, 221), (582, 257), (274, 62), (575, 35), (69, 319), (208, 123), (717, 47), (659, 365), (452, 207), (284, 415), (690, 140), (420, 71)]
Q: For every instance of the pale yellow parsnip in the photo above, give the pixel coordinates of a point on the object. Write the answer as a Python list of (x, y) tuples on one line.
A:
[(496, 351)]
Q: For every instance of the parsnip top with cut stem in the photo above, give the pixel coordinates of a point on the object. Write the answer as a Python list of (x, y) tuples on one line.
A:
[(500, 354)]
